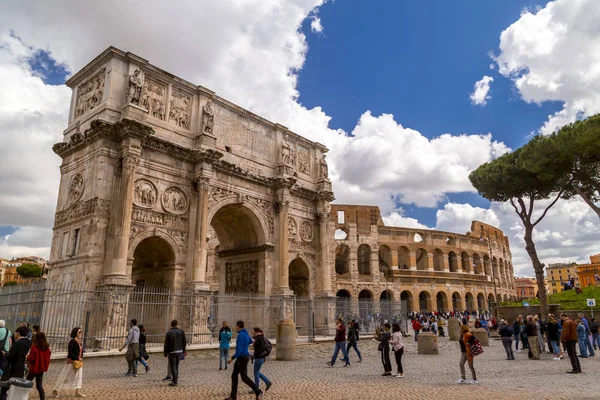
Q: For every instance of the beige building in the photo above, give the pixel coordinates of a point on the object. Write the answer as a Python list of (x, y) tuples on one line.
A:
[(559, 273), (526, 287)]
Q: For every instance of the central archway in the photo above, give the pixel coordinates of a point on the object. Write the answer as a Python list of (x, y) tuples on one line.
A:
[(153, 263)]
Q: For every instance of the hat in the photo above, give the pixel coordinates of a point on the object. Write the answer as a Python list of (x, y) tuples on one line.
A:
[(2, 323)]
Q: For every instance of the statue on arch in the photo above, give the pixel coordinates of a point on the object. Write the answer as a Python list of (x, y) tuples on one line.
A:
[(323, 168), (135, 88)]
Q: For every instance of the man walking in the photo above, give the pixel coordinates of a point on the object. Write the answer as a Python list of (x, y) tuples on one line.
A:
[(15, 358), (593, 330), (340, 344), (569, 337), (174, 348), (532, 338), (241, 357), (133, 348), (262, 349)]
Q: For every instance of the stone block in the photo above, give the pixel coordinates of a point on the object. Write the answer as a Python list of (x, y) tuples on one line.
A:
[(453, 329), (285, 348), (427, 343), (481, 335)]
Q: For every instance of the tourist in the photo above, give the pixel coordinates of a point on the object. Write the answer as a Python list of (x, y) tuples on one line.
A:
[(398, 347), (133, 348), (532, 338), (38, 360), (554, 337), (5, 342), (340, 344), (224, 343), (441, 324), (71, 376), (353, 340), (242, 357), (261, 352), (174, 350), (416, 325), (594, 332), (434, 326), (517, 330), (569, 337), (15, 358), (384, 337), (506, 333), (582, 338), (464, 341), (144, 356), (540, 327), (588, 343)]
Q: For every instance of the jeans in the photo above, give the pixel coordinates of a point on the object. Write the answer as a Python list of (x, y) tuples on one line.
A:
[(596, 340), (507, 342), (223, 357), (461, 364), (258, 363), (589, 346), (353, 345), (240, 367), (416, 334), (516, 342), (340, 346), (583, 351), (141, 361), (555, 347), (38, 383), (174, 366), (570, 345)]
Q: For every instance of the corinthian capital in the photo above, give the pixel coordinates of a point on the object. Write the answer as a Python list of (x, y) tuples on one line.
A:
[(201, 183), (130, 162)]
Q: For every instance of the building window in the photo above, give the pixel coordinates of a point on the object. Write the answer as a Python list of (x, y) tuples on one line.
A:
[(64, 245), (341, 217), (75, 248)]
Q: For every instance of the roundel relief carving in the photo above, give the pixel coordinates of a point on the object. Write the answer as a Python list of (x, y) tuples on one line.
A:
[(306, 231), (144, 193), (76, 188), (174, 200), (292, 227)]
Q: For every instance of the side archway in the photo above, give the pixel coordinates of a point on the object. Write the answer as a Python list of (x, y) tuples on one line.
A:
[(407, 296), (364, 259), (342, 260), (153, 263), (481, 305), (441, 300), (469, 301), (457, 303), (403, 258), (365, 303), (452, 262), (422, 260), (438, 260), (425, 301), (465, 262), (343, 303)]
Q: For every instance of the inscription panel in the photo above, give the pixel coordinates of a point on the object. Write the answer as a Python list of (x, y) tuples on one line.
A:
[(156, 218)]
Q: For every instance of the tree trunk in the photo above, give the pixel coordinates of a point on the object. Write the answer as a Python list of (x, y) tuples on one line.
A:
[(589, 201), (538, 267)]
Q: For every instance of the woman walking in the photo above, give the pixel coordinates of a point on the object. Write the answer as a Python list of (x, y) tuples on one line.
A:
[(144, 356), (398, 346), (384, 347), (71, 376), (353, 340), (465, 340), (38, 360), (224, 343)]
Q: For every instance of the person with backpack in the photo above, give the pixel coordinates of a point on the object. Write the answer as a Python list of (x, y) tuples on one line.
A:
[(15, 358), (241, 357), (4, 344), (224, 344), (465, 341), (594, 331), (262, 350)]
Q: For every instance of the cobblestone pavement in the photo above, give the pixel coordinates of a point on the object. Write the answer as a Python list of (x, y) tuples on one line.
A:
[(426, 377)]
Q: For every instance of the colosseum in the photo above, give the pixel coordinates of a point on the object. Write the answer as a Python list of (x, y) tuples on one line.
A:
[(429, 270)]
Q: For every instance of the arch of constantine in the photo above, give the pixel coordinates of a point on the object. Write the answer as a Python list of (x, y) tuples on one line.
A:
[(164, 184)]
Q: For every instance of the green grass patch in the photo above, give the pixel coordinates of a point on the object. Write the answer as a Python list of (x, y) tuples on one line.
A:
[(568, 300)]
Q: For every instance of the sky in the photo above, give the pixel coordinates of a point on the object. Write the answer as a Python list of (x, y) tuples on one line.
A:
[(409, 97)]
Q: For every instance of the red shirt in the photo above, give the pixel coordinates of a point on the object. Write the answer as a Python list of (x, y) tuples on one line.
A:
[(38, 360), (340, 333)]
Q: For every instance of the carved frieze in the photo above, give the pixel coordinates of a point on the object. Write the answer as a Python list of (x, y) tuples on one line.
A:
[(174, 200), (292, 228), (156, 218), (303, 160), (144, 193), (180, 112), (241, 277), (154, 99), (95, 206), (307, 232), (76, 188), (301, 246), (90, 93), (208, 118)]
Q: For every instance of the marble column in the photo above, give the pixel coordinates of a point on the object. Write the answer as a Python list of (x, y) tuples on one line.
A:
[(198, 278), (323, 218), (284, 275)]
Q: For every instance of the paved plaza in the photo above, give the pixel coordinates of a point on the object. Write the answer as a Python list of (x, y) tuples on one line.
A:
[(427, 377)]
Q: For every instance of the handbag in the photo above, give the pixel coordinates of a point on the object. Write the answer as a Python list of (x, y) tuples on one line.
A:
[(77, 364), (475, 348)]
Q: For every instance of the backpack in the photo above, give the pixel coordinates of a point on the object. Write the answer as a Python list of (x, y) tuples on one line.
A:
[(475, 347), (268, 347)]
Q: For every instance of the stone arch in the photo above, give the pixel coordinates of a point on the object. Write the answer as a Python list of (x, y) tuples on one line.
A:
[(422, 259), (365, 303), (438, 260), (469, 301), (232, 220), (441, 300), (364, 259), (340, 234), (342, 259), (457, 303), (407, 296), (481, 302), (419, 237), (299, 277), (465, 262), (425, 301), (452, 262), (477, 266), (403, 258), (495, 270), (386, 302), (343, 302), (385, 258), (137, 239), (153, 263), (491, 301), (487, 265), (450, 241)]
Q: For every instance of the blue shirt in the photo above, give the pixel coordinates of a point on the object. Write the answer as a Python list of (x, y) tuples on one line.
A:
[(581, 331), (242, 343), (585, 323)]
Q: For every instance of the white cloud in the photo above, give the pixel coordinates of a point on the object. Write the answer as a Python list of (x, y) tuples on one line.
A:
[(397, 219), (553, 54), (315, 24), (26, 241), (458, 217), (481, 89)]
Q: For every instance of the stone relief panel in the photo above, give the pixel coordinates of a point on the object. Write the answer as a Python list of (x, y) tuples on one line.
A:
[(301, 247), (303, 160), (154, 99), (95, 206), (307, 232), (180, 112), (90, 93), (241, 277), (174, 200), (76, 188), (239, 130), (156, 218), (144, 193), (208, 118), (292, 228)]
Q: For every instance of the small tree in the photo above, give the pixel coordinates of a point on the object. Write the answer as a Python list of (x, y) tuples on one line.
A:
[(10, 283), (507, 178), (29, 271)]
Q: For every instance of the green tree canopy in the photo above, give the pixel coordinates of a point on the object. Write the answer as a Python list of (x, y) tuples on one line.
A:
[(29, 271)]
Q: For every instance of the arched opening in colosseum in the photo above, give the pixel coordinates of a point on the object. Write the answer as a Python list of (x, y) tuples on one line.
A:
[(481, 302), (342, 260), (385, 258), (477, 266), (340, 234), (465, 262), (403, 258), (422, 259), (495, 269), (418, 238), (364, 259), (501, 274), (406, 296), (450, 241), (343, 302), (153, 263), (487, 265), (457, 301), (469, 301), (386, 302), (424, 301), (299, 278), (365, 303), (452, 262), (441, 300), (491, 301), (438, 260)]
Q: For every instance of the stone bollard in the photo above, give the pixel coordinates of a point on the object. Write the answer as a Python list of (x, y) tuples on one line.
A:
[(285, 348), (481, 335), (453, 329), (427, 343)]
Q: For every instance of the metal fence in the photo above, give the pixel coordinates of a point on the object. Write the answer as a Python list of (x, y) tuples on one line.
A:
[(372, 313)]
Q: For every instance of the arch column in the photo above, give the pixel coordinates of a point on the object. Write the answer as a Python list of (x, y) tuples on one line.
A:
[(375, 273), (394, 266), (430, 261), (412, 260), (282, 208), (471, 266), (445, 262), (325, 277), (198, 272)]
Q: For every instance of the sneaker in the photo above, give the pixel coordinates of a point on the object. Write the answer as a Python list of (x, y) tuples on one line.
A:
[(127, 374), (147, 368), (329, 363), (172, 384), (259, 395), (360, 360), (167, 378), (268, 386), (461, 381), (400, 376), (134, 375), (556, 359), (473, 382)]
